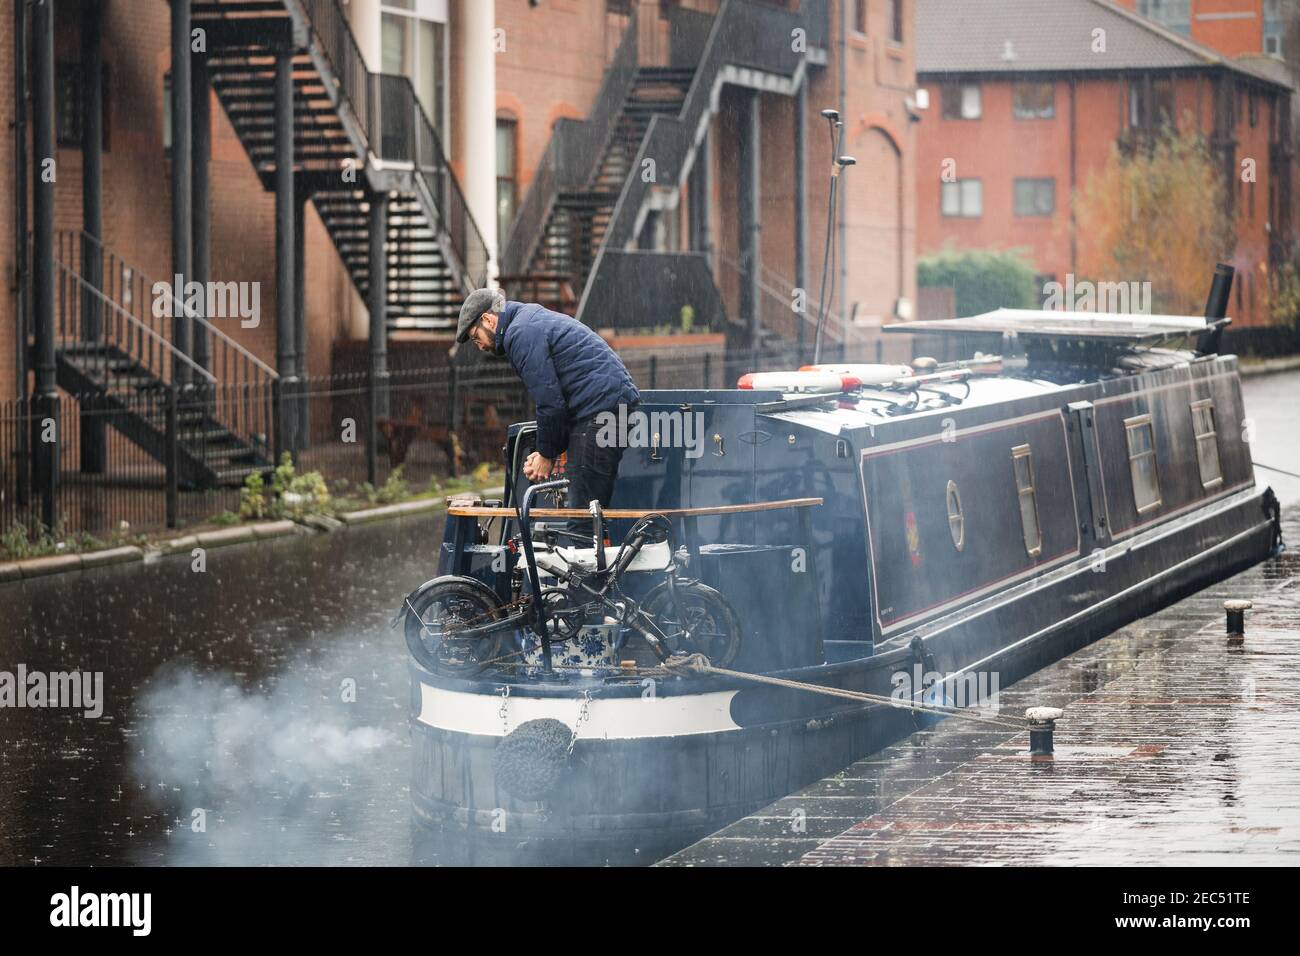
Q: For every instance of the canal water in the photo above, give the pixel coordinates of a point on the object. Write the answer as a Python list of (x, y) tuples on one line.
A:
[(256, 712)]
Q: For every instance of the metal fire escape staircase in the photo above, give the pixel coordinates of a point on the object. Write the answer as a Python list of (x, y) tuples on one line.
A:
[(579, 236), (115, 355), (357, 135)]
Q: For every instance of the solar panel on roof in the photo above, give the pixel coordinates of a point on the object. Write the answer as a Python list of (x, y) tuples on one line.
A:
[(1047, 324)]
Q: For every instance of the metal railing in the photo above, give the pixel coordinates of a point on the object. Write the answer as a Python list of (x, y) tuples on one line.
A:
[(776, 307), (744, 34), (572, 156), (133, 315), (339, 45), (401, 132), (397, 129)]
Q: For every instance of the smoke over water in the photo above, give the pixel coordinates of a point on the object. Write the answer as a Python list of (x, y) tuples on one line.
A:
[(294, 774)]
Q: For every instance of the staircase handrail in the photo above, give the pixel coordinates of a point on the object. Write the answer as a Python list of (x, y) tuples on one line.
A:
[(179, 300), (361, 89), (744, 33), (572, 155), (175, 353)]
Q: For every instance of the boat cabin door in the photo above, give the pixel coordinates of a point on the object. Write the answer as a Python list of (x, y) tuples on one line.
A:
[(1094, 526)]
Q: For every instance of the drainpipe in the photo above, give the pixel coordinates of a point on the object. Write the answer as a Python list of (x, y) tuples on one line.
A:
[(20, 234), (285, 352), (801, 207), (479, 107), (201, 111), (182, 196), (47, 396), (93, 451), (378, 382), (300, 314), (750, 218)]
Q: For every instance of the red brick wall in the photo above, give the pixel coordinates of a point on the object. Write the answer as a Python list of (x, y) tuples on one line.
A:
[(997, 148), (1232, 36)]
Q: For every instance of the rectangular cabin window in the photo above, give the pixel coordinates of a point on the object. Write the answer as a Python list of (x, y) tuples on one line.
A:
[(1142, 463), (1023, 462), (1207, 443)]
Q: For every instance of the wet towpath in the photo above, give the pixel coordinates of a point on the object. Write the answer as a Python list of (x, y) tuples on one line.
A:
[(1176, 748)]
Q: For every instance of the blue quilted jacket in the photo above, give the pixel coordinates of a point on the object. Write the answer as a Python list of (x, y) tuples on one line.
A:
[(567, 368)]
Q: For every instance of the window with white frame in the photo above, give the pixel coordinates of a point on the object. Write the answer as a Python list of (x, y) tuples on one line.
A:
[(963, 198), (414, 44), (1142, 463), (1022, 461), (1207, 443)]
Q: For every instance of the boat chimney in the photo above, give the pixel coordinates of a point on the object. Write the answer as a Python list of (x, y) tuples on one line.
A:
[(1216, 308)]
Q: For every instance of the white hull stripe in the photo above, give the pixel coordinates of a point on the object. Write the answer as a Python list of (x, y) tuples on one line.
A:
[(620, 718)]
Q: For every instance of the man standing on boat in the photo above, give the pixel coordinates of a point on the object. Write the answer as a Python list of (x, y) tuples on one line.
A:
[(573, 377)]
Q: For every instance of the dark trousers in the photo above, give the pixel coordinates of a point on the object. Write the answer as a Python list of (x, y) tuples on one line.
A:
[(592, 470)]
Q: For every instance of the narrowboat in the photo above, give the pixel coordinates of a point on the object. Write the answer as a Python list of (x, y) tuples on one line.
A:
[(865, 525)]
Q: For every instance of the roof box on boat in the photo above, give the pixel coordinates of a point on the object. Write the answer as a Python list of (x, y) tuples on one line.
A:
[(1110, 327), (865, 374)]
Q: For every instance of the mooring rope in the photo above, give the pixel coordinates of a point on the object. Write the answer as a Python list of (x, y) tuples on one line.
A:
[(1280, 471), (700, 665)]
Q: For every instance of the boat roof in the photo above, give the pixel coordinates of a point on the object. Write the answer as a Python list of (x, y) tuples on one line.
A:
[(1112, 327), (867, 407)]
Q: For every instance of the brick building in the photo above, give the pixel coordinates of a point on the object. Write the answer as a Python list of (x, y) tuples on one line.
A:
[(1027, 108), (1233, 27), (352, 169)]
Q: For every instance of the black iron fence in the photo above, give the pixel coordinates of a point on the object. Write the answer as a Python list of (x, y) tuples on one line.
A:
[(160, 461)]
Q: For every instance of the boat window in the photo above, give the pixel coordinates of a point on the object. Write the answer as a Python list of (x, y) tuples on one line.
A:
[(1023, 461), (1142, 463), (1207, 443), (956, 520)]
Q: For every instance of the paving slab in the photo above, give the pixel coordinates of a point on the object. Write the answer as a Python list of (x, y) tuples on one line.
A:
[(1176, 748)]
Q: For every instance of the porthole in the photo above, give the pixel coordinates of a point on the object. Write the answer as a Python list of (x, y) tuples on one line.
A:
[(956, 520)]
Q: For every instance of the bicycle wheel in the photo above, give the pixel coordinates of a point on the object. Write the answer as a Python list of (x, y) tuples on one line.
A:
[(435, 616), (706, 623)]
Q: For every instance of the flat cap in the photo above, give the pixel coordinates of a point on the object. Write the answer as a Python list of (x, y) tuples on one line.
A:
[(476, 303)]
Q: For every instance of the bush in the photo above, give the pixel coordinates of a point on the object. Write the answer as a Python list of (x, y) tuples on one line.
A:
[(393, 489), (982, 279), (292, 495), (252, 502)]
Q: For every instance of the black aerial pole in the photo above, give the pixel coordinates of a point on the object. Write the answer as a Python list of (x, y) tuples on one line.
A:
[(838, 163)]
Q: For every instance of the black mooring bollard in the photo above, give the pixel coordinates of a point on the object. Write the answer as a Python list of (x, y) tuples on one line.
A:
[(1236, 619), (1042, 722)]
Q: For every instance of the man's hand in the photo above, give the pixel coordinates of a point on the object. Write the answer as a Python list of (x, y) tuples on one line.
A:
[(537, 466)]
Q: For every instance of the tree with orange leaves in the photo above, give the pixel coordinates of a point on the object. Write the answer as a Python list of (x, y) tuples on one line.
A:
[(1154, 213)]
